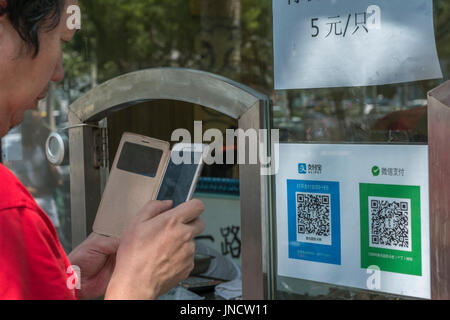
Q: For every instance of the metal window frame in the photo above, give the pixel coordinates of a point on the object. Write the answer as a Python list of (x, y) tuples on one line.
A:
[(439, 172), (248, 106)]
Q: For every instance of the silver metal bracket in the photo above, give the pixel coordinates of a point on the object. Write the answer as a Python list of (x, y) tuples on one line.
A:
[(100, 148)]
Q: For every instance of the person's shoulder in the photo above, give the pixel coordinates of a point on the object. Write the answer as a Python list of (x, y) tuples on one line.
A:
[(17, 204), (13, 194)]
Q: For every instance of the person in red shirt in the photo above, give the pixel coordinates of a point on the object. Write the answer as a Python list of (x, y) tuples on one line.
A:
[(157, 250)]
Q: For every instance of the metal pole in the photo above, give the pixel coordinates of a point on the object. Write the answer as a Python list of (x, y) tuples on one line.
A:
[(51, 106)]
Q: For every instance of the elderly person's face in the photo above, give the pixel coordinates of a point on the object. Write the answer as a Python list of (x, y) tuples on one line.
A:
[(24, 79)]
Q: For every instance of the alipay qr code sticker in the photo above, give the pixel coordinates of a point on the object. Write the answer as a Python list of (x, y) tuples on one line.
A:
[(313, 218), (314, 221), (391, 228), (344, 220)]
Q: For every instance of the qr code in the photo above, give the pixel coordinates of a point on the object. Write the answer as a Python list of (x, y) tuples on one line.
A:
[(313, 218), (390, 223)]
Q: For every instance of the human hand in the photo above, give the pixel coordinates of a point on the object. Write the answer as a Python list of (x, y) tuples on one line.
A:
[(96, 259), (157, 250)]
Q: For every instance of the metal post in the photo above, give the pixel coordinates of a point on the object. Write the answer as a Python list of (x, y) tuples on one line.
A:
[(439, 166)]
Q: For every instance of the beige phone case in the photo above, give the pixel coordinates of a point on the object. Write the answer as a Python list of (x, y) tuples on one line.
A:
[(126, 193)]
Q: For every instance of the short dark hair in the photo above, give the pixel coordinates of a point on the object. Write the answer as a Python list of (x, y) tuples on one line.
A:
[(28, 17)]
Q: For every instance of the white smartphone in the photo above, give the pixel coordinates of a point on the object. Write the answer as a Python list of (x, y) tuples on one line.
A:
[(182, 172)]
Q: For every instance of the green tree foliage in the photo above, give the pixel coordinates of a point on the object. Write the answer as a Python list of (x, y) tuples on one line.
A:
[(442, 23), (120, 36)]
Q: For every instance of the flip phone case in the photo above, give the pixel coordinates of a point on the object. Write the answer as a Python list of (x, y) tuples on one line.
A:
[(126, 193)]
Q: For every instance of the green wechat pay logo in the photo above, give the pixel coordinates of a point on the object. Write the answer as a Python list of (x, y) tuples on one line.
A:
[(376, 171)]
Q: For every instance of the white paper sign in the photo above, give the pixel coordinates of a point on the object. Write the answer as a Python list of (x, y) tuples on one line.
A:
[(342, 43), (355, 216)]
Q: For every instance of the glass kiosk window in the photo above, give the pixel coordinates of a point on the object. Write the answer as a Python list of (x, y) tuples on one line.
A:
[(378, 115)]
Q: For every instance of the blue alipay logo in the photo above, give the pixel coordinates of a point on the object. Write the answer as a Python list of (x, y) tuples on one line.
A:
[(302, 169)]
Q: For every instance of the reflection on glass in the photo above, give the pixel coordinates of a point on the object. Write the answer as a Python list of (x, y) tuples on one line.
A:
[(386, 114)]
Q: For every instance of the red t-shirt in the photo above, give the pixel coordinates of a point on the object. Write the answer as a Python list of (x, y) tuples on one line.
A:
[(33, 264)]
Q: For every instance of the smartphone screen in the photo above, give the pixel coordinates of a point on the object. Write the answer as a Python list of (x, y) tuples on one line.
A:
[(178, 180)]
